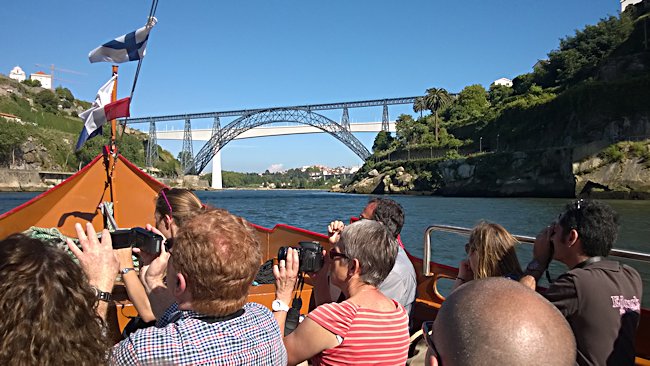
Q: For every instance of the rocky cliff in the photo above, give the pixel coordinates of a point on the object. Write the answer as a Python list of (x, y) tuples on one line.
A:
[(618, 171)]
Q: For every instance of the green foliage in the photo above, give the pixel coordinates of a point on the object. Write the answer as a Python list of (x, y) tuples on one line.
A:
[(470, 106), (578, 56), (612, 154), (11, 136), (498, 94), (47, 100), (383, 141), (30, 82), (64, 93)]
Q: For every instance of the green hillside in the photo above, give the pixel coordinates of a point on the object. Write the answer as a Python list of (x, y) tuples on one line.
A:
[(48, 130)]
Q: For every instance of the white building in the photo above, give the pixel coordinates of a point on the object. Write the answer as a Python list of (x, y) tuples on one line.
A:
[(17, 74), (45, 79), (625, 3), (503, 81)]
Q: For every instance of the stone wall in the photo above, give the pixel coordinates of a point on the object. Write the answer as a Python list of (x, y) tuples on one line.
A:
[(12, 180)]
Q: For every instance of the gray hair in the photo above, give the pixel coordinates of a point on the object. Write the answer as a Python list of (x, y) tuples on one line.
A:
[(371, 244)]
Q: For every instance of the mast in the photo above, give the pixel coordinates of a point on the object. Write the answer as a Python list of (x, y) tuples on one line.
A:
[(113, 122)]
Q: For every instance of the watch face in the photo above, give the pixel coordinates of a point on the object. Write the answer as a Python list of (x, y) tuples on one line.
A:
[(277, 305)]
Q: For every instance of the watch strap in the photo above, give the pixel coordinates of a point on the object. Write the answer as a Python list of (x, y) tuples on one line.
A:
[(101, 295), (279, 305), (124, 271)]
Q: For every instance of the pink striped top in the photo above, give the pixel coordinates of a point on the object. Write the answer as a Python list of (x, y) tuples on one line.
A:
[(370, 337)]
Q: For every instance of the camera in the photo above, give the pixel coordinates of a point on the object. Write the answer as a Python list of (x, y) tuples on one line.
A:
[(137, 237), (310, 254)]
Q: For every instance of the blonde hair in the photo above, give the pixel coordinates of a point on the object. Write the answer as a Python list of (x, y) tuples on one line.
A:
[(178, 203), (495, 250)]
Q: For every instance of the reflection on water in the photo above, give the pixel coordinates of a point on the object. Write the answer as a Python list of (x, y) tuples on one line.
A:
[(313, 210)]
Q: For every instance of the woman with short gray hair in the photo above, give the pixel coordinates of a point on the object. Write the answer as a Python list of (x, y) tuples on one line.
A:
[(347, 332)]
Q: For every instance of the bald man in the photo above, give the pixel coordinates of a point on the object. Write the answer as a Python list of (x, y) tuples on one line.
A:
[(497, 321)]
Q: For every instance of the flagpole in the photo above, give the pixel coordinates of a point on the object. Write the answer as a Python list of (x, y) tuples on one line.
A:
[(113, 122)]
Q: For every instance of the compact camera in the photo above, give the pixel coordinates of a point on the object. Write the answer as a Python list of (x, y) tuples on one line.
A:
[(137, 237), (310, 254)]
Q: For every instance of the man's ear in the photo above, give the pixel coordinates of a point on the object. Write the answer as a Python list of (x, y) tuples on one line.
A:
[(573, 237), (181, 285)]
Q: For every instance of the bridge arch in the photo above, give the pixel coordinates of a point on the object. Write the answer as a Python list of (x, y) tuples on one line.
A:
[(260, 118)]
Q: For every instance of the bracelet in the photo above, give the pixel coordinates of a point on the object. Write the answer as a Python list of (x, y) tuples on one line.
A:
[(462, 279), (126, 270)]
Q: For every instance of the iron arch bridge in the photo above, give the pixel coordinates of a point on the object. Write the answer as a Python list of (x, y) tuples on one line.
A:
[(224, 135)]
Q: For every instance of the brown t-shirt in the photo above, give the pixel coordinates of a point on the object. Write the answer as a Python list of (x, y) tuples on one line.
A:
[(602, 303)]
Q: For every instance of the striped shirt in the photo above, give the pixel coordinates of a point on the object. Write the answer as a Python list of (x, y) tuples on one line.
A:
[(370, 337), (181, 338)]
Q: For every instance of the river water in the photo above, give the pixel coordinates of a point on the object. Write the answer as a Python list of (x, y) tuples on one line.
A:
[(313, 210)]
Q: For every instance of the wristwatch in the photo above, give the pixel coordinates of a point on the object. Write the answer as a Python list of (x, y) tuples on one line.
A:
[(101, 295), (124, 271), (278, 305)]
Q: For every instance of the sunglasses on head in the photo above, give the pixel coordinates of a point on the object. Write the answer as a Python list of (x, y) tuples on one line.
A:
[(334, 255), (162, 193)]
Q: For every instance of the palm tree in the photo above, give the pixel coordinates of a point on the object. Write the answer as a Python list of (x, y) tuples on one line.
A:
[(435, 100), (419, 105)]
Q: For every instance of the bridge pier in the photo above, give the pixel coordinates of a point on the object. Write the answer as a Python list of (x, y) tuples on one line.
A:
[(217, 182)]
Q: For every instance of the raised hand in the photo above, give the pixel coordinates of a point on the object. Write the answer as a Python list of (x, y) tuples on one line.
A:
[(96, 258), (286, 276), (334, 230)]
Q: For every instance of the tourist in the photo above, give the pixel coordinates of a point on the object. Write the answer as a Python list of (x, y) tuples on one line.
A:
[(198, 292), (53, 309), (600, 298), (366, 328), (497, 321), (173, 207), (490, 253), (401, 283)]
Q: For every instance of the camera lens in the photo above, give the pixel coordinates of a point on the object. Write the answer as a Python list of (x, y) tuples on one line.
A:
[(282, 253)]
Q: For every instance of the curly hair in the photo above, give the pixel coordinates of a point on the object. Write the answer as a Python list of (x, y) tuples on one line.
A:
[(47, 306), (179, 203), (596, 224), (389, 213), (219, 254), (495, 250)]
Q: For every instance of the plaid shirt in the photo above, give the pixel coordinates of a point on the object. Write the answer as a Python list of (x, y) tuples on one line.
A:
[(180, 338)]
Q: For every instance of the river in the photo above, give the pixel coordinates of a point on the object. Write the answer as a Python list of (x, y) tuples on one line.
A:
[(313, 210)]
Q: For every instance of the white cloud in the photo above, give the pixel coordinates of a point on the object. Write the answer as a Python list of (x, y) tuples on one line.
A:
[(274, 168)]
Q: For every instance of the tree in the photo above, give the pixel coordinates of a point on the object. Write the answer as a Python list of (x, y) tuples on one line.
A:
[(382, 141), (48, 100), (64, 93), (30, 82), (436, 100), (470, 106), (498, 94), (419, 105), (404, 129)]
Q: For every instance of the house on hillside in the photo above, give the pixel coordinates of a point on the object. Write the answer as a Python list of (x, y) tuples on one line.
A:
[(17, 74), (503, 81), (43, 78), (625, 3)]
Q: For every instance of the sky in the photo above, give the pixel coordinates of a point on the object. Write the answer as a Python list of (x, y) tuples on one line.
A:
[(208, 56)]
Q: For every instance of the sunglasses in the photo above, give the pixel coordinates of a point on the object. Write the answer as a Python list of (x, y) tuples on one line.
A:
[(334, 255), (162, 193), (468, 248), (427, 334)]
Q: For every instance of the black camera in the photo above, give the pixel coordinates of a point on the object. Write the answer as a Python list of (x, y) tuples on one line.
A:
[(137, 237), (310, 254)]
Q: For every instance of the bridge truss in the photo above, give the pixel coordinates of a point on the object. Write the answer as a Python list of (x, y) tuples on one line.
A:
[(256, 119), (251, 118)]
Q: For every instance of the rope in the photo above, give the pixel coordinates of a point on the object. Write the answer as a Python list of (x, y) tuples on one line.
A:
[(106, 209)]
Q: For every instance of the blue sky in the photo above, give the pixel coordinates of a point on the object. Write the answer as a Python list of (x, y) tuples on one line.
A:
[(223, 55)]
